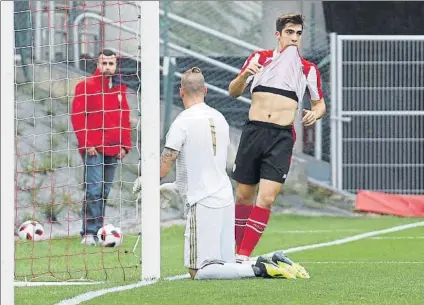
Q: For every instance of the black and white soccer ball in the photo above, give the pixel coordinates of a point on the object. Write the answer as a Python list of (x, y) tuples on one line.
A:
[(110, 236), (31, 230)]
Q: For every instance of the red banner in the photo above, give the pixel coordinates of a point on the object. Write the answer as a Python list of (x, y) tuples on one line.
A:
[(382, 203)]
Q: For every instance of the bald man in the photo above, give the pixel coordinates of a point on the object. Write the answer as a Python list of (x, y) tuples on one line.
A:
[(198, 140)]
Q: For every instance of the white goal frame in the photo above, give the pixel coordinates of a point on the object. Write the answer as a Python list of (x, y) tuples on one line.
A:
[(150, 139), (150, 143), (7, 153)]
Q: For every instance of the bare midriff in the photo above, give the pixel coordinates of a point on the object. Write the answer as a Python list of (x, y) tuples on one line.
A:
[(272, 108)]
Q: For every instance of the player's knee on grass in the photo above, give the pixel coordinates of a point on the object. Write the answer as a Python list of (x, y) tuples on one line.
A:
[(245, 194), (268, 192)]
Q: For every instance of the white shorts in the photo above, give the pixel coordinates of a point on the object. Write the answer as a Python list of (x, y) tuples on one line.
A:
[(209, 235)]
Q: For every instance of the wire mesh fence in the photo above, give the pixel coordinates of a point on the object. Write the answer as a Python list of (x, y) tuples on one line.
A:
[(382, 92), (51, 169)]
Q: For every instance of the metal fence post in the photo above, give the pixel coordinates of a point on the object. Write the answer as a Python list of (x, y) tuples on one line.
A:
[(169, 80)]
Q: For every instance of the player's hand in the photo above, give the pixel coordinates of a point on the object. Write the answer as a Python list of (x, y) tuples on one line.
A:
[(309, 117), (168, 193), (253, 67), (137, 187), (91, 151), (122, 154)]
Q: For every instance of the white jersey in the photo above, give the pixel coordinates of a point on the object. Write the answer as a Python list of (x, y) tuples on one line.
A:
[(286, 70), (201, 135)]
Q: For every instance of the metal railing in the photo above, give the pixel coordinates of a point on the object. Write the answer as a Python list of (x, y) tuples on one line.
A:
[(173, 46), (206, 30), (178, 74), (212, 32)]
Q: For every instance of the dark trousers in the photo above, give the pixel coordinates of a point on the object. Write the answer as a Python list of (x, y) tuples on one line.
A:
[(99, 172)]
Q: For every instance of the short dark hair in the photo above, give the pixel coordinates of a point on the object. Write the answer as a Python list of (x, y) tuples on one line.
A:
[(107, 52), (294, 18)]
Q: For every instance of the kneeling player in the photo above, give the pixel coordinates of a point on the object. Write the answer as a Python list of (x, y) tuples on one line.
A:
[(198, 140)]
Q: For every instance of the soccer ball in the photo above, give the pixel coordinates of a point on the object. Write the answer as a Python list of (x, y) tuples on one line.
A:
[(31, 230), (110, 236)]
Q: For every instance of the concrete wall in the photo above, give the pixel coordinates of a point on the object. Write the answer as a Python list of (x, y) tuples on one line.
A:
[(126, 14)]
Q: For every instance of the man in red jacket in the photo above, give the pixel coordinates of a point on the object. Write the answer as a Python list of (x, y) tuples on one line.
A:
[(101, 120)]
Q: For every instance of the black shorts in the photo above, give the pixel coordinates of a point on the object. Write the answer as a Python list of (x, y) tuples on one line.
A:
[(264, 152)]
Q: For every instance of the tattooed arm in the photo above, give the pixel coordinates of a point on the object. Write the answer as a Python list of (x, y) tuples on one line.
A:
[(167, 159)]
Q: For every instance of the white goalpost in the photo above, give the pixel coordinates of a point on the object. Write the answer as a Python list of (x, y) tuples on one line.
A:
[(7, 152), (150, 139)]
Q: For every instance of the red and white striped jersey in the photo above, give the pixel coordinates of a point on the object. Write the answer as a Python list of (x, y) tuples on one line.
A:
[(286, 70)]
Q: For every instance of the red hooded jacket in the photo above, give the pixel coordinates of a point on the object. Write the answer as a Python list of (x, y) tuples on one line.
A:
[(100, 115)]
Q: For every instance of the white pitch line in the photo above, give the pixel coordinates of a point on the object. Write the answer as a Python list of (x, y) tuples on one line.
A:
[(397, 237), (313, 231), (362, 262), (38, 284), (354, 238), (94, 294)]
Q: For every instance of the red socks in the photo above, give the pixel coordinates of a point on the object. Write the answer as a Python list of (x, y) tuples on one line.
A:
[(242, 214), (253, 230)]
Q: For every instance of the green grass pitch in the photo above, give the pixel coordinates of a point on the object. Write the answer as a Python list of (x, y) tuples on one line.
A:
[(384, 269)]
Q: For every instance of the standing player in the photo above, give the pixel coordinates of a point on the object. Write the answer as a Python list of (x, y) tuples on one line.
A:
[(198, 140), (278, 80)]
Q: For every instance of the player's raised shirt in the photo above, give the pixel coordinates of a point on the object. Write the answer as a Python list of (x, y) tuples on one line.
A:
[(287, 71), (201, 135)]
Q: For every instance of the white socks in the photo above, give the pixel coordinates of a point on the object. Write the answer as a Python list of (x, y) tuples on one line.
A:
[(243, 259), (225, 271)]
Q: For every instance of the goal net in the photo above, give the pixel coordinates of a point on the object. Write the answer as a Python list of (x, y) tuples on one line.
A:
[(57, 45)]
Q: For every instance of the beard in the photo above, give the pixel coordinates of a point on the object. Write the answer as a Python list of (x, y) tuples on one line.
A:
[(107, 73)]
